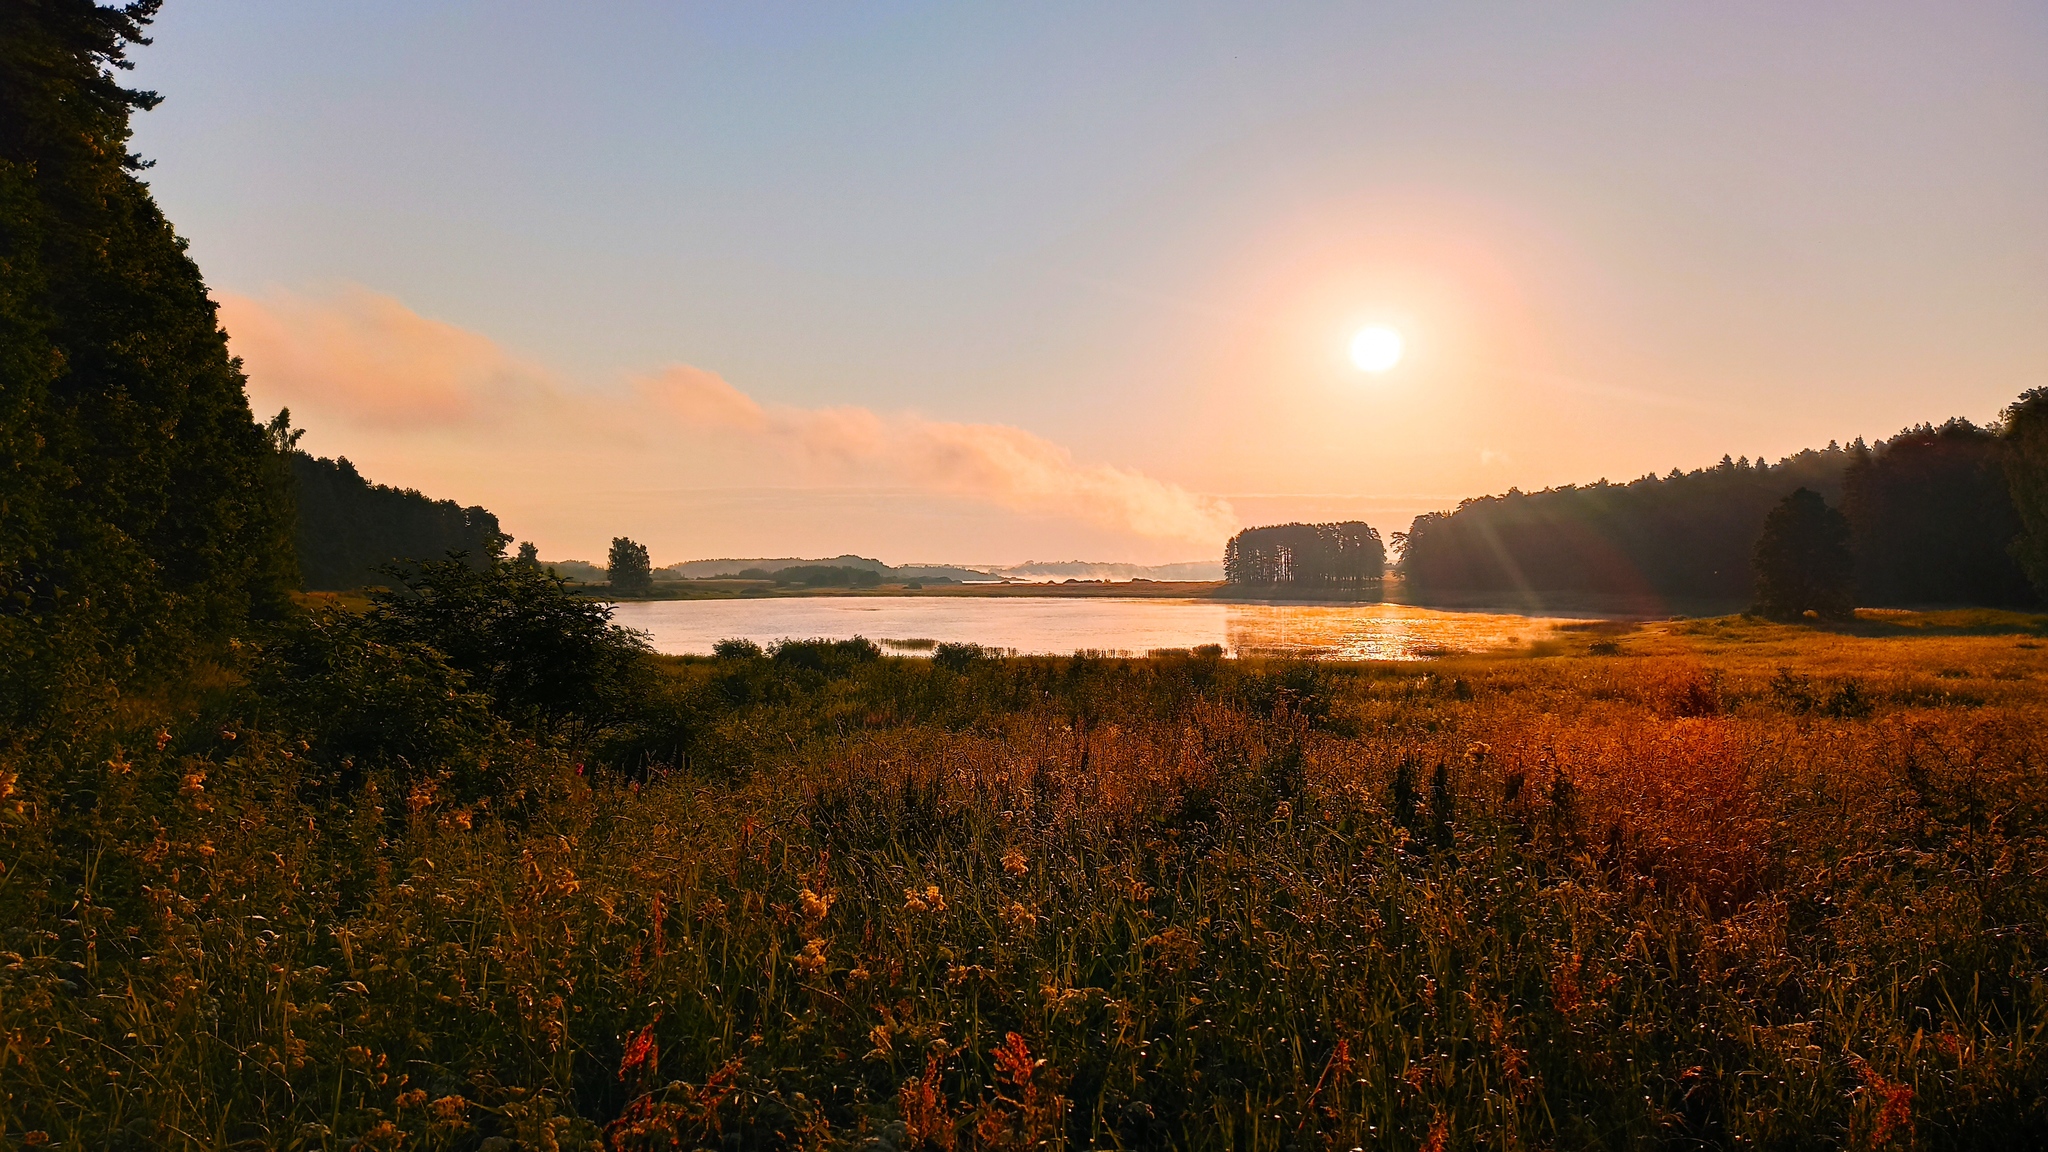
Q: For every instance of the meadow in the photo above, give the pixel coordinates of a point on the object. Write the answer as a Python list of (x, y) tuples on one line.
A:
[(1715, 883)]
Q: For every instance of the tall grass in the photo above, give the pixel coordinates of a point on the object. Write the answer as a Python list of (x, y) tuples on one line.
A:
[(1725, 884)]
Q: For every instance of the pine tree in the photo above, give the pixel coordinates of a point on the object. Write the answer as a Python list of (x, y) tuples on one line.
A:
[(1803, 562), (143, 513)]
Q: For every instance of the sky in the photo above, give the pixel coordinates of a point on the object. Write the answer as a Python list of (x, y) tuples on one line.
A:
[(991, 283)]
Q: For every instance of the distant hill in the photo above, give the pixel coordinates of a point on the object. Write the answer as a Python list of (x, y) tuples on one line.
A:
[(1095, 570), (711, 569)]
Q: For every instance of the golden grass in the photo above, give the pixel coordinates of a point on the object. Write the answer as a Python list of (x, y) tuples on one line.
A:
[(1695, 883)]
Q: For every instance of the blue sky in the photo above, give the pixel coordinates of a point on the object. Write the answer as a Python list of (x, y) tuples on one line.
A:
[(1620, 237)]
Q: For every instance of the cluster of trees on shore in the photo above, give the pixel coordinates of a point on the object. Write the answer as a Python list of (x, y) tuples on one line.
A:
[(1346, 554), (1933, 515)]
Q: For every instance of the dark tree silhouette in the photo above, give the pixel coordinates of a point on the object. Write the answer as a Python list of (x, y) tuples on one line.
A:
[(143, 513), (1340, 555), (628, 568), (1682, 535), (350, 530), (529, 553), (1803, 563), (1933, 519), (2026, 473)]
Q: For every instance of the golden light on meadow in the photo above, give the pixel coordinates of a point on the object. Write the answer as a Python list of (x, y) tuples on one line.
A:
[(1376, 349)]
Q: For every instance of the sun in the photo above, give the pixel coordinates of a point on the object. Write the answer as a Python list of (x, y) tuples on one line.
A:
[(1376, 349)]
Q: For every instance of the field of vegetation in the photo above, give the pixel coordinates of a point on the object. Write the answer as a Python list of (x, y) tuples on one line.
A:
[(383, 879)]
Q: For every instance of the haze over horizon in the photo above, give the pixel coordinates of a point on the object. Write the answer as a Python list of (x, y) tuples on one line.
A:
[(995, 284)]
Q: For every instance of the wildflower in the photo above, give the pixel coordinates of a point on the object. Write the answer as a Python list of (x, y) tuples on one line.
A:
[(815, 906), (883, 1038), (922, 1106), (451, 1112), (412, 1098), (641, 1052), (1015, 864), (1894, 1102), (812, 958), (927, 900), (1013, 1060), (1018, 917), (194, 783), (1173, 949), (1439, 1135), (1284, 811)]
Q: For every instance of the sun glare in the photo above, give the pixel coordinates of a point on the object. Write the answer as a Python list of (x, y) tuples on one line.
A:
[(1376, 349)]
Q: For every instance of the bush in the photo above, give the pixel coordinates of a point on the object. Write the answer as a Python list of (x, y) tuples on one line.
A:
[(957, 657), (545, 656), (829, 657)]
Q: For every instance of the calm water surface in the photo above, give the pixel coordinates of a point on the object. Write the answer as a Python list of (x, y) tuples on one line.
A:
[(1050, 625)]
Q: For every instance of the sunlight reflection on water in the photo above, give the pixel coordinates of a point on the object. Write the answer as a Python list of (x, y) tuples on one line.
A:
[(1052, 625)]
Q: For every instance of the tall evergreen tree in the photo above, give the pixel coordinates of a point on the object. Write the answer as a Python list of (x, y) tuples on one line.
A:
[(1803, 563), (143, 513), (628, 568), (2026, 472)]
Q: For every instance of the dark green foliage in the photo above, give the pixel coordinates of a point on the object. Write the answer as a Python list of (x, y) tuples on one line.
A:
[(350, 530), (529, 553), (735, 649), (957, 657), (2026, 472), (828, 576), (628, 568), (363, 702), (1682, 535), (142, 515), (1933, 520), (541, 654), (1803, 562), (1342, 555), (827, 657)]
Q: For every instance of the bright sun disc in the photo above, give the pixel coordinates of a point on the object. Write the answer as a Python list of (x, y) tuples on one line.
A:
[(1376, 349)]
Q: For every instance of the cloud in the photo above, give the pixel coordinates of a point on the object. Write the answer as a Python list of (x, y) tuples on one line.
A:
[(364, 361), (372, 360)]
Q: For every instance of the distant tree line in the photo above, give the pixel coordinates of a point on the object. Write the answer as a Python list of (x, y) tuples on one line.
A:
[(1936, 514), (1339, 555), (350, 531), (828, 576)]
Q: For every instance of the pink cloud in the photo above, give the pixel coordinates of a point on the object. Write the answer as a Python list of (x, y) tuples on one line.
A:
[(364, 361), (367, 358)]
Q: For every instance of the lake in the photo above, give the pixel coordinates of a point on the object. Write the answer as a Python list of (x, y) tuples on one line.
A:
[(1064, 625)]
